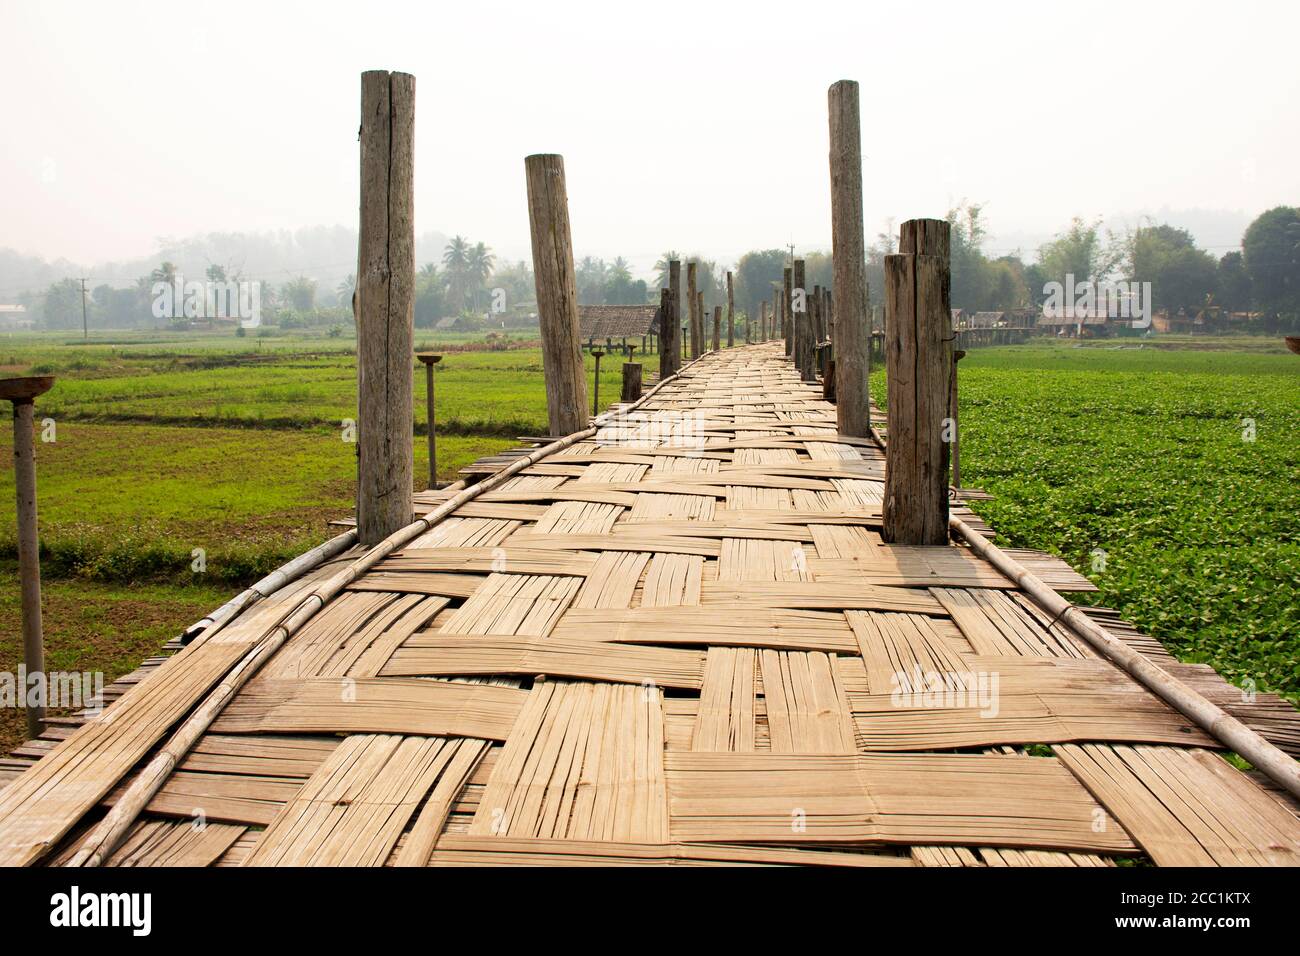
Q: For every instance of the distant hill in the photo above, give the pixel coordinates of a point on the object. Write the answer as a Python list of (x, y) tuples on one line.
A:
[(327, 254)]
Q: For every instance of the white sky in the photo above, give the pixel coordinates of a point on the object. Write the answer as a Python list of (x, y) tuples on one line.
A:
[(125, 122)]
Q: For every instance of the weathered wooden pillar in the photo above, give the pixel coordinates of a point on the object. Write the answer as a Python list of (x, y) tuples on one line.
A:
[(23, 393), (667, 356), (670, 353), (801, 319), (557, 297), (692, 279), (918, 356), (429, 360), (699, 321), (786, 324), (851, 322), (384, 304), (731, 311), (717, 327), (762, 321), (631, 381)]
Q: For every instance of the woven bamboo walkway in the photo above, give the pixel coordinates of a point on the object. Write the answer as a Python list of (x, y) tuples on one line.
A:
[(680, 641)]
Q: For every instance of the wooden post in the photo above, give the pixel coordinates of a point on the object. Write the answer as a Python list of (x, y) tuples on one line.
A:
[(731, 310), (631, 381), (852, 323), (801, 324), (669, 350), (762, 321), (596, 398), (692, 278), (717, 327), (667, 339), (429, 359), (23, 392), (786, 325), (918, 356), (698, 331), (557, 297), (385, 302)]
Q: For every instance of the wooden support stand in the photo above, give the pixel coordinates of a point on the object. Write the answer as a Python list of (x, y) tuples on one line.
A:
[(384, 303), (429, 360), (22, 392), (918, 355), (557, 296)]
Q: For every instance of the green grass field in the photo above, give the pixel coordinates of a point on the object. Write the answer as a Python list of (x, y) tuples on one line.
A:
[(1139, 466)]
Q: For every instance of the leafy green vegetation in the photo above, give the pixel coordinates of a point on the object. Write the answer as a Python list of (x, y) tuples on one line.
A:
[(1142, 469)]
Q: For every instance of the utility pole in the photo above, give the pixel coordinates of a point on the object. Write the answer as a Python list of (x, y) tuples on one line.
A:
[(85, 326)]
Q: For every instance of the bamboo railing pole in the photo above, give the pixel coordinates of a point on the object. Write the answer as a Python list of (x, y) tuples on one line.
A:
[(1214, 720)]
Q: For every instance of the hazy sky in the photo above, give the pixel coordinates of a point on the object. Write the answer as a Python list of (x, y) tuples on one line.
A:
[(696, 126)]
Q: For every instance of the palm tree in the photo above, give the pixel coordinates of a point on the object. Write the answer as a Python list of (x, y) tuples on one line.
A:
[(456, 259), (479, 267), (164, 273), (345, 289), (661, 267)]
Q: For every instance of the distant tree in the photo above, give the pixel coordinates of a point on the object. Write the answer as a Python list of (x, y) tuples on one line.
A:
[(456, 263), (1181, 276), (661, 267), (756, 274), (430, 304), (343, 291), (1232, 283), (478, 268), (590, 274), (164, 273), (62, 308), (300, 294), (1081, 252), (216, 273), (1271, 254)]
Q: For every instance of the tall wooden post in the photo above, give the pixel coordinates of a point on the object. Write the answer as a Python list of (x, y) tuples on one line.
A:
[(692, 304), (731, 310), (851, 321), (557, 296), (801, 319), (762, 321), (918, 356), (717, 327), (596, 399), (698, 331), (23, 392), (667, 334), (786, 324), (670, 352), (429, 360), (385, 303)]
